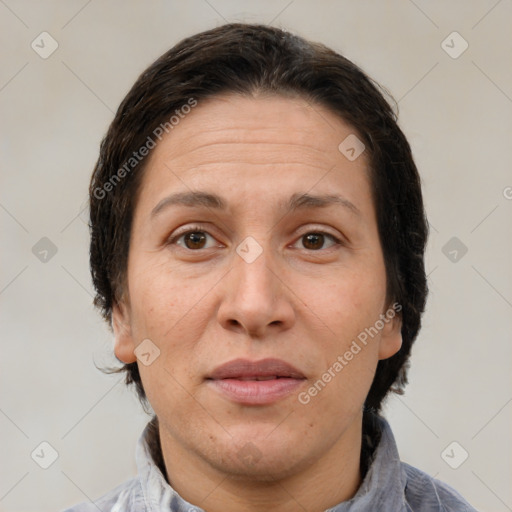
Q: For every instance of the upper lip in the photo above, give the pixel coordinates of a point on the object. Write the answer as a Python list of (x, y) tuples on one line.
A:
[(244, 368)]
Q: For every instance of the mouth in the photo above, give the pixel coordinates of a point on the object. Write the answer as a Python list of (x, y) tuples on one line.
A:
[(256, 382)]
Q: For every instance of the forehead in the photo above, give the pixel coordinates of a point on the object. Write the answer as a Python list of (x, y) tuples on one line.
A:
[(265, 119), (236, 142)]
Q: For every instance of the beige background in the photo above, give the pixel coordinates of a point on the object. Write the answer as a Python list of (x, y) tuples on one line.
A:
[(457, 113)]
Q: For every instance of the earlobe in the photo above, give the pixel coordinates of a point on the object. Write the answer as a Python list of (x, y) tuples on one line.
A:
[(124, 345), (391, 338)]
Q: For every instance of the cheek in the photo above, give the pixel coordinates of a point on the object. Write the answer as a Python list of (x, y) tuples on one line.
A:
[(157, 296), (159, 313), (352, 304), (350, 356)]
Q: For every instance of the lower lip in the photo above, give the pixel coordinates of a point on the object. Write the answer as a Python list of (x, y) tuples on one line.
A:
[(256, 392)]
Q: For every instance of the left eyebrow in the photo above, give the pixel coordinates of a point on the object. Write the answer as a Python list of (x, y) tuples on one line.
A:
[(300, 201), (295, 202)]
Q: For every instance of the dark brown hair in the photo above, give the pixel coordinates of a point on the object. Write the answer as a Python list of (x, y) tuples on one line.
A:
[(248, 59)]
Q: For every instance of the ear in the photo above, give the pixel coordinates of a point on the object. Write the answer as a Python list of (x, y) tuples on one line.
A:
[(124, 346), (391, 337)]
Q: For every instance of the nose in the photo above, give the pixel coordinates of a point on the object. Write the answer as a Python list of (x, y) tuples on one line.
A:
[(256, 301)]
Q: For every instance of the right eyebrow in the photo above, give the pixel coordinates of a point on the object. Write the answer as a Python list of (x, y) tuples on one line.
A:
[(191, 199)]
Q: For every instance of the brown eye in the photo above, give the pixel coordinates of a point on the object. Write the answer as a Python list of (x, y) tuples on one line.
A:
[(193, 239), (315, 240)]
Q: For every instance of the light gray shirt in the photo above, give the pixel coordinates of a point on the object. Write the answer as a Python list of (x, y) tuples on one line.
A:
[(389, 486)]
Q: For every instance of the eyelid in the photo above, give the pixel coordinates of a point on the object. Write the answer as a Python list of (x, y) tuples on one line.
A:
[(322, 230)]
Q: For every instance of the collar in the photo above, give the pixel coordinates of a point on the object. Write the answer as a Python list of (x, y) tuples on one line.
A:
[(384, 484), (382, 488)]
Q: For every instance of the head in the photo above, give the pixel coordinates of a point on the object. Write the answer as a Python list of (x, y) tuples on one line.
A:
[(255, 117)]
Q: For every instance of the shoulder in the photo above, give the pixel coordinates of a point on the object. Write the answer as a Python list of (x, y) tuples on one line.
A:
[(126, 496), (424, 493)]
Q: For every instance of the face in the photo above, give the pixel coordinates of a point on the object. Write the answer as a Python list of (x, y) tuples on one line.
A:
[(251, 284)]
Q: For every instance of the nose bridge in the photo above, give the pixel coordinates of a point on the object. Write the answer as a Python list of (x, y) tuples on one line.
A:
[(254, 297), (253, 266)]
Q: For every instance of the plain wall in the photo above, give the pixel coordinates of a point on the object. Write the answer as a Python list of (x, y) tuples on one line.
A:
[(457, 114)]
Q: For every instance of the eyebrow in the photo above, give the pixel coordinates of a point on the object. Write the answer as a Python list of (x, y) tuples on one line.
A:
[(197, 199)]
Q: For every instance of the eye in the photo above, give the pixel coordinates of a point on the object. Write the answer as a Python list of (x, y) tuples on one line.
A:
[(196, 238), (314, 240), (192, 239)]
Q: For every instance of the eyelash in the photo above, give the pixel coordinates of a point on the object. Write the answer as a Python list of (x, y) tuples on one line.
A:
[(197, 228)]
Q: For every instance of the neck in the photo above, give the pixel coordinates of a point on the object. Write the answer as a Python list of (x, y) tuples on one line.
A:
[(332, 479)]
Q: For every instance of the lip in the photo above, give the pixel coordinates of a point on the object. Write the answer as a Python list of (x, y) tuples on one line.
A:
[(240, 381)]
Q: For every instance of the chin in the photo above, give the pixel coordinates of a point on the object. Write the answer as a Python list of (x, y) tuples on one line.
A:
[(260, 459), (263, 469)]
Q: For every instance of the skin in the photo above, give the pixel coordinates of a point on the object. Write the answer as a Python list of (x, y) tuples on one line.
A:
[(303, 302)]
